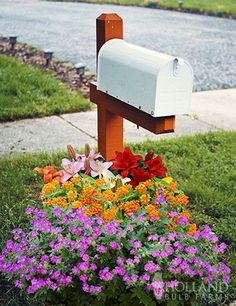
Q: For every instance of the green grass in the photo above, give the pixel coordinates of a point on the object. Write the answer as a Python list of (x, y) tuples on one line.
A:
[(227, 7), (27, 92), (204, 166)]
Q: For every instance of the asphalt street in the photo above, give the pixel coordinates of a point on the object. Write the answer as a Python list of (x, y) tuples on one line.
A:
[(208, 43)]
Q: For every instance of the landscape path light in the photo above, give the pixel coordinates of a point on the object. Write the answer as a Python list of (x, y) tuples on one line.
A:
[(12, 40), (48, 56), (180, 2), (80, 70)]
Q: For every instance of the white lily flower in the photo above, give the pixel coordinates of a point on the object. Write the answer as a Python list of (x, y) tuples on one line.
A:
[(111, 179)]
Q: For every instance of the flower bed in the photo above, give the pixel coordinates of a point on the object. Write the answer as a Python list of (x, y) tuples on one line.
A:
[(113, 236)]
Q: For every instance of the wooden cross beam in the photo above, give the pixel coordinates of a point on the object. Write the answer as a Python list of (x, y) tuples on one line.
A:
[(111, 111)]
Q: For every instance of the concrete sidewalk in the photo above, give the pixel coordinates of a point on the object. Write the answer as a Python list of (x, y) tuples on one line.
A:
[(211, 111)]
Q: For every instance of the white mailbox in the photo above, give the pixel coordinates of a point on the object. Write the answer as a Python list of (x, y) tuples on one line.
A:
[(156, 83)]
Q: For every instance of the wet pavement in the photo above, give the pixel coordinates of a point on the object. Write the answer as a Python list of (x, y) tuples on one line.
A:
[(208, 43)]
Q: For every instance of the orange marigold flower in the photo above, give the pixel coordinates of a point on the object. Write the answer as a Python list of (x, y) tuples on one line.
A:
[(174, 220), (77, 204), (181, 199), (123, 190), (96, 209), (130, 206), (145, 199), (172, 186), (185, 214), (72, 195), (87, 194), (192, 229), (67, 185), (152, 211), (100, 182), (59, 201), (75, 180), (149, 184), (50, 187), (170, 227), (108, 195), (141, 188), (110, 214)]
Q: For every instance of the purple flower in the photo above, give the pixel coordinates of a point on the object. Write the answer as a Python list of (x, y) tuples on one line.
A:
[(56, 211), (152, 237), (120, 260), (101, 249), (134, 277), (225, 279), (151, 267), (160, 199), (95, 289), (119, 270), (155, 254), (130, 228), (83, 278), (136, 259), (133, 251), (29, 210), (183, 221), (171, 236), (129, 261), (83, 266), (173, 214), (93, 267), (138, 244), (162, 240), (173, 283), (141, 217), (110, 228), (105, 274), (191, 250), (145, 277), (114, 245)]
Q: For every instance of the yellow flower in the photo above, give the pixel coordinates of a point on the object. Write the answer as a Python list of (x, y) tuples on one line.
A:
[(168, 179)]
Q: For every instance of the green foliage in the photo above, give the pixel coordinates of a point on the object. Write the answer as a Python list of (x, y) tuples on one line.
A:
[(27, 92)]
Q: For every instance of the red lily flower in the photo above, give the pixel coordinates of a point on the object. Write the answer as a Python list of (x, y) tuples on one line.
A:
[(149, 155), (125, 161), (155, 167), (139, 175)]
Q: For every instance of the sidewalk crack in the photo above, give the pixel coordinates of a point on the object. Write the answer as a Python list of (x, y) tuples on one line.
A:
[(76, 127)]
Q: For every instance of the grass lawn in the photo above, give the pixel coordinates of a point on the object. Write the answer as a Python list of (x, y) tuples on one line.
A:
[(27, 92), (203, 165), (211, 6)]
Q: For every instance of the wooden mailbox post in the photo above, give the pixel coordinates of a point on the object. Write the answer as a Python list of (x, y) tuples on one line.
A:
[(110, 110)]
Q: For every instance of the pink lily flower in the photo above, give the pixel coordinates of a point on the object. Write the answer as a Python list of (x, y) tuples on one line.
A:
[(92, 155), (98, 166), (70, 168)]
